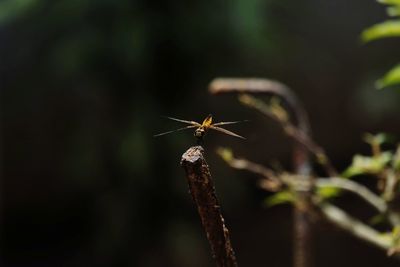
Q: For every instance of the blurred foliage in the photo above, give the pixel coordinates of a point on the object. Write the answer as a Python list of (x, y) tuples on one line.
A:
[(281, 197), (374, 164), (325, 193), (396, 159), (389, 28), (225, 153), (14, 9), (396, 236), (368, 165), (377, 140), (390, 78)]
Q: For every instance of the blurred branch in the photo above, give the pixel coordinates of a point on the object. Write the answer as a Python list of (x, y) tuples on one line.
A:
[(355, 188), (262, 86), (274, 181), (270, 182), (389, 191), (355, 227), (270, 87), (202, 190), (302, 226), (302, 183), (292, 131), (363, 192), (301, 133)]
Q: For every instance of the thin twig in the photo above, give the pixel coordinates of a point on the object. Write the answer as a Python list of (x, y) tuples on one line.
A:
[(202, 190)]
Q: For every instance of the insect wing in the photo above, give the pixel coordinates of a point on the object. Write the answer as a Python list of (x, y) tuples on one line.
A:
[(227, 122), (185, 121), (222, 130), (180, 129)]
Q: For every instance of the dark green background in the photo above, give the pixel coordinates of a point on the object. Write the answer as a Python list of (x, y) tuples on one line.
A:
[(84, 84)]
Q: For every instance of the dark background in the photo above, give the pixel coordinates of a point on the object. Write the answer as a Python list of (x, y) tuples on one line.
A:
[(84, 84)]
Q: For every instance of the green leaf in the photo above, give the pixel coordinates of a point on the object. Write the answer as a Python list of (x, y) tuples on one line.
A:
[(368, 165), (377, 219), (396, 159), (389, 2), (328, 192), (378, 139), (389, 28), (390, 78), (393, 11), (225, 153), (279, 198)]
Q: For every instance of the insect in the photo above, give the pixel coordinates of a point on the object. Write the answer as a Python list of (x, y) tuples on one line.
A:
[(201, 129)]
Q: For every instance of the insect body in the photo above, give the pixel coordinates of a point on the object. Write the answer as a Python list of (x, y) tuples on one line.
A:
[(201, 129)]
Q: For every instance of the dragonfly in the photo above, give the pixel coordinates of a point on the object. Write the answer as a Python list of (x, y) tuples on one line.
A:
[(202, 128)]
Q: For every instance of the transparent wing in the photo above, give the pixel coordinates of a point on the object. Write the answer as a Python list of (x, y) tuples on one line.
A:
[(180, 129), (185, 121), (222, 130), (227, 122)]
